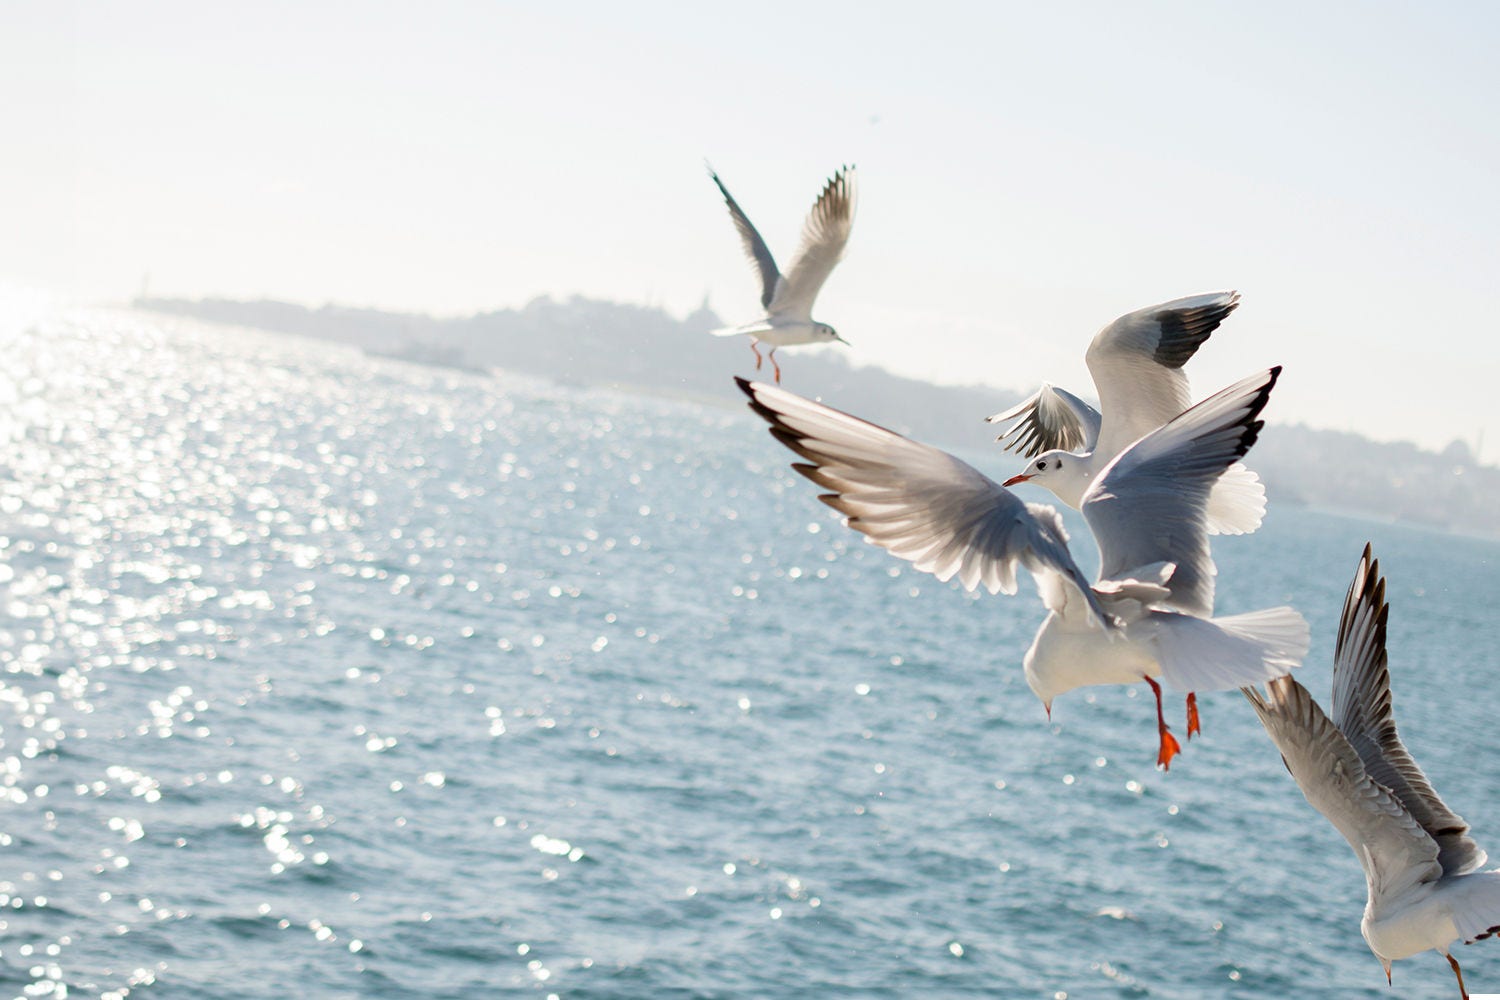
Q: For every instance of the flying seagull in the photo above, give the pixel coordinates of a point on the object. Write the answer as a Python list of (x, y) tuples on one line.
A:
[(1136, 363), (788, 298), (1422, 869), (1146, 615)]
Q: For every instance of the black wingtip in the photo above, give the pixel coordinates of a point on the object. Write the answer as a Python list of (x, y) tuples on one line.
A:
[(713, 175), (1184, 329), (1262, 398), (1253, 424), (1367, 589), (1273, 375), (771, 417), (750, 390)]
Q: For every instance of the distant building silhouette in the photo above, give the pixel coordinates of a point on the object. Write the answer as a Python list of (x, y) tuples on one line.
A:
[(644, 348)]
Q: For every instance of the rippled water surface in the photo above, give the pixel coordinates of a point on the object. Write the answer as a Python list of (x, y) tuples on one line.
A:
[(329, 676)]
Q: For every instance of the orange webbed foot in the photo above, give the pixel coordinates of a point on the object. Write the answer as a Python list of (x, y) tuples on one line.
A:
[(1169, 748), (1193, 728)]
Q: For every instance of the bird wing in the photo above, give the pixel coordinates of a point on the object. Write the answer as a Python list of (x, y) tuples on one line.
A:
[(824, 236), (755, 247), (1363, 712), (1394, 850), (919, 503), (1150, 504), (1049, 418), (1137, 362), (1475, 906)]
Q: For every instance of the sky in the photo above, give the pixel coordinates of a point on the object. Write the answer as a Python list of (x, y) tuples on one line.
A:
[(1027, 172)]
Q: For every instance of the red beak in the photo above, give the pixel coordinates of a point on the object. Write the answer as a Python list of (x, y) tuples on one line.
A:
[(1013, 480)]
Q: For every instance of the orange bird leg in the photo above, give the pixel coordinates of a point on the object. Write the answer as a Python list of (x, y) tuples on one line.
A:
[(1457, 972), (774, 365), (756, 351), (1169, 745), (1192, 713)]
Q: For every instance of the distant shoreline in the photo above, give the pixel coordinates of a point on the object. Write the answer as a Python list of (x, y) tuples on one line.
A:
[(646, 350)]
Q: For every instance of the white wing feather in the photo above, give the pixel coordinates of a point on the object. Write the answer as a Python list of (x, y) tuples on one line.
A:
[(919, 503), (1137, 362), (1049, 418), (1150, 504), (1394, 850), (755, 248), (825, 235), (1362, 710)]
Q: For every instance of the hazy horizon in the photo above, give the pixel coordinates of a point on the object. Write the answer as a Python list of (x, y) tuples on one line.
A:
[(1026, 174)]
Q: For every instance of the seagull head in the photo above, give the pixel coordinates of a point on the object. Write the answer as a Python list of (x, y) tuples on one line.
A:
[(1043, 469), (825, 332)]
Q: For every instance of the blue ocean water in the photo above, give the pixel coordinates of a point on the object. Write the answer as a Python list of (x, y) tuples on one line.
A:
[(330, 676)]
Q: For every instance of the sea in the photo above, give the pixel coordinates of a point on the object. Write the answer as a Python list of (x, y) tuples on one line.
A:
[(324, 675)]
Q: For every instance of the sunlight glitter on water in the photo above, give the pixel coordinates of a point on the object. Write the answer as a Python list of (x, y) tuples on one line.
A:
[(343, 661)]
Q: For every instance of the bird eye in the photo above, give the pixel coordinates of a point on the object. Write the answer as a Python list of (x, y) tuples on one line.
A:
[(1042, 464)]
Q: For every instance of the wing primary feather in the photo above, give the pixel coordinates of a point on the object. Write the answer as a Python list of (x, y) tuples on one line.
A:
[(1049, 418), (754, 246), (1137, 361), (919, 503), (825, 235), (1151, 502), (1393, 848), (1183, 331), (1363, 710)]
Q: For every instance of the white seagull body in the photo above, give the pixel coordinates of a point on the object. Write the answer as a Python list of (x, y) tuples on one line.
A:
[(1145, 616), (788, 298), (1422, 870), (1136, 363)]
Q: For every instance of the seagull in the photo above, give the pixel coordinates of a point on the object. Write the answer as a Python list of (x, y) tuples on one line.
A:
[(1136, 362), (788, 298), (1146, 615), (1422, 869)]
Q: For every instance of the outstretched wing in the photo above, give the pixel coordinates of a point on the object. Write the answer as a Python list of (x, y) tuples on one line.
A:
[(1392, 847), (755, 247), (1362, 711), (1150, 505), (1137, 362), (918, 503), (824, 237), (1049, 418)]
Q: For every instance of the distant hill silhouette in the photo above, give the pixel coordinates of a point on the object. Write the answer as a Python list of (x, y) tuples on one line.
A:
[(593, 342)]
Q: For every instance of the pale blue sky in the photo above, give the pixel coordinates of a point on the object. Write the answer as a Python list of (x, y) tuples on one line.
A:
[(1028, 171)]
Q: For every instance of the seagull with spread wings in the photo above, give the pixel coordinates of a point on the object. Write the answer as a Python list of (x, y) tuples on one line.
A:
[(1146, 615), (788, 298), (1422, 869), (1136, 363)]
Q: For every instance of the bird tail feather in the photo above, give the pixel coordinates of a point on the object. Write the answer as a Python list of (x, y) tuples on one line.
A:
[(1476, 914), (1214, 654), (1237, 504), (759, 326)]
